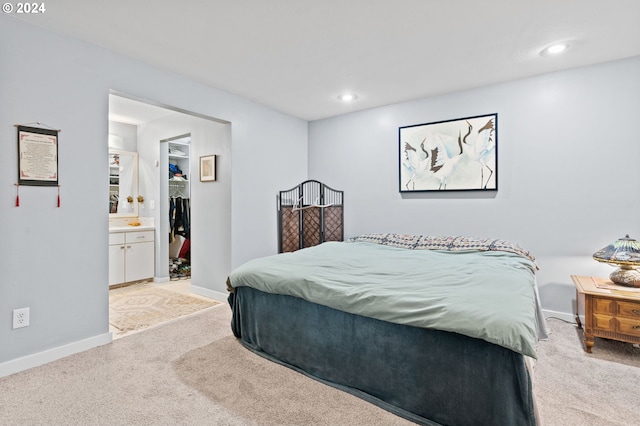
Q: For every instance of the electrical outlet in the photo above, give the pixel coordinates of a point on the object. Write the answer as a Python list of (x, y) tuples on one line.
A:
[(20, 317)]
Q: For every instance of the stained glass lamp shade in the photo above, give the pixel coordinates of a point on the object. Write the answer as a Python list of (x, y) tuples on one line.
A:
[(624, 253)]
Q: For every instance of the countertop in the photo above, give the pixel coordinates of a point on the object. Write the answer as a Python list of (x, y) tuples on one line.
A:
[(129, 228)]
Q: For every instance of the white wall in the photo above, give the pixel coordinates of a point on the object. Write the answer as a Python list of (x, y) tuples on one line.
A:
[(568, 152), (210, 201), (56, 258), (126, 136)]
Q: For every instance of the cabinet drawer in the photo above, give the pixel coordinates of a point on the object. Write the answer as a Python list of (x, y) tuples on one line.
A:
[(603, 322), (139, 237), (628, 309), (603, 306), (116, 238), (629, 326)]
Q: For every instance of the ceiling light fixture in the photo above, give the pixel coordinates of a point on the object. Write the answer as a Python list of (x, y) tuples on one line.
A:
[(556, 49), (347, 97)]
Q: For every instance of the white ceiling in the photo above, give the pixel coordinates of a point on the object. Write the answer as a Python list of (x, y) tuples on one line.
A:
[(125, 110), (297, 56)]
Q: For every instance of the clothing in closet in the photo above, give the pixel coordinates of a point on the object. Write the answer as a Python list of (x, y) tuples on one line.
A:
[(179, 217), (179, 223)]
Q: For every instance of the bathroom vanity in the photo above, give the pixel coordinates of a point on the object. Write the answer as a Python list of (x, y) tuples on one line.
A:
[(131, 254), (131, 248)]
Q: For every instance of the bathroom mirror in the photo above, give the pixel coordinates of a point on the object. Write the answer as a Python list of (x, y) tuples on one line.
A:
[(123, 183)]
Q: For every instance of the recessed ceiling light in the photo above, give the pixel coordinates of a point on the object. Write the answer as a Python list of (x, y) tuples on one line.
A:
[(556, 49), (347, 97)]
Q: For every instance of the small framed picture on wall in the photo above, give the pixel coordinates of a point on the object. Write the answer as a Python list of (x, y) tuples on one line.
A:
[(208, 168)]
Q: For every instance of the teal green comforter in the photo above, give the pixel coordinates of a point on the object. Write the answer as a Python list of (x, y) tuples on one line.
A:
[(488, 295)]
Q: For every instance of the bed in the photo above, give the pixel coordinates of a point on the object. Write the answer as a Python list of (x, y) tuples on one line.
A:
[(438, 330)]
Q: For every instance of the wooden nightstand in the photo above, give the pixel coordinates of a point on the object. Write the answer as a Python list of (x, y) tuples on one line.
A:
[(610, 311)]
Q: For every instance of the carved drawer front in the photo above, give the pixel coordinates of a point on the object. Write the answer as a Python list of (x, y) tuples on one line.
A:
[(629, 326), (628, 309), (603, 306), (603, 322)]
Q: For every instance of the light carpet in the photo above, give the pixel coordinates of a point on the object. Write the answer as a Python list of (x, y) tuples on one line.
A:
[(266, 393), (574, 387), (191, 372), (144, 305)]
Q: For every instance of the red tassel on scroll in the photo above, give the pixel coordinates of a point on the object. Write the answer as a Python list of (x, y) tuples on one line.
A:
[(17, 195), (58, 195)]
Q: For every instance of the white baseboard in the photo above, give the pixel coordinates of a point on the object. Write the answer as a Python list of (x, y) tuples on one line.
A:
[(161, 280), (560, 315), (211, 294), (44, 357)]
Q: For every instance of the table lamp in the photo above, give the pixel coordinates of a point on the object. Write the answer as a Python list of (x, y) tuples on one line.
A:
[(625, 253)]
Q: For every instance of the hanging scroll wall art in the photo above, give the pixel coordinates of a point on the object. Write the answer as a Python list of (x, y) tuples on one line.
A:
[(37, 158), (452, 155)]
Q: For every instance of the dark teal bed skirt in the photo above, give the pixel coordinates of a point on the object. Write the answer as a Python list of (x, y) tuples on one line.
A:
[(430, 377)]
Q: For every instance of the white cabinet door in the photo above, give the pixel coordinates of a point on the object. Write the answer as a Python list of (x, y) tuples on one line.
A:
[(131, 256), (116, 264), (139, 261)]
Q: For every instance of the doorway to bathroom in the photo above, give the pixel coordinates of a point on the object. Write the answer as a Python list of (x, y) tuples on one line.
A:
[(191, 245)]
